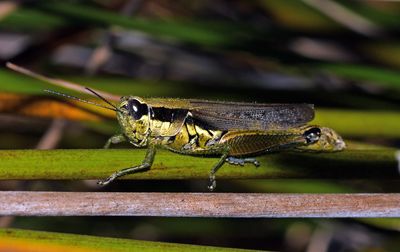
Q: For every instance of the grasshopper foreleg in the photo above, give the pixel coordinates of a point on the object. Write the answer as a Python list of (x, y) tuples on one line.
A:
[(115, 140), (146, 164)]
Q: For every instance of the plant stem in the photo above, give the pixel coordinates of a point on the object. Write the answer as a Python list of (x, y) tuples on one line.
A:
[(249, 205)]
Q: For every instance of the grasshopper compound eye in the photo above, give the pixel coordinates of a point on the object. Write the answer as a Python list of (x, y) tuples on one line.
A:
[(137, 109), (312, 135)]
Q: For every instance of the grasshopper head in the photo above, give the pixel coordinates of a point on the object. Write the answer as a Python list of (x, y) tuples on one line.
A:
[(322, 139), (134, 117)]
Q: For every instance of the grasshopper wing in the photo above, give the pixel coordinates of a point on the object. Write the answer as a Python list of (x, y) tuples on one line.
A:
[(251, 116)]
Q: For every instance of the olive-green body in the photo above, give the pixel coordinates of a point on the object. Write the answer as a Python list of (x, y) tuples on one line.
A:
[(198, 127), (183, 135)]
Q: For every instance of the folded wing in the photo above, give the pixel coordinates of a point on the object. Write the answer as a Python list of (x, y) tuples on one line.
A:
[(250, 116)]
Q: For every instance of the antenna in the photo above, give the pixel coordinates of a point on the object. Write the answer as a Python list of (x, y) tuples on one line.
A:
[(101, 97), (79, 99)]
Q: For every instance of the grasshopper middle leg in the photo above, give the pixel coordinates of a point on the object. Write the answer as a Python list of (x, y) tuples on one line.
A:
[(146, 164)]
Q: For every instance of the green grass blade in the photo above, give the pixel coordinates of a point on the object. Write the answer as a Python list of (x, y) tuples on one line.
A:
[(30, 20), (199, 32), (377, 76), (74, 242), (99, 163), (357, 123)]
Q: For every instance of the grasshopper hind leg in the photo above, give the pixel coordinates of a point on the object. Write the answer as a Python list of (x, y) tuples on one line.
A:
[(146, 164), (213, 182), (231, 160), (242, 161)]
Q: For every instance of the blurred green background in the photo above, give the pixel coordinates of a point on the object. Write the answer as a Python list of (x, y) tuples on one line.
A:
[(342, 56)]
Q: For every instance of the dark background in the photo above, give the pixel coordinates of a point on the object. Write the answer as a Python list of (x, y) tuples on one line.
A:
[(341, 55)]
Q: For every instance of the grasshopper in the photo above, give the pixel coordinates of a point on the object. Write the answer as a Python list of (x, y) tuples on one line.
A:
[(233, 131)]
